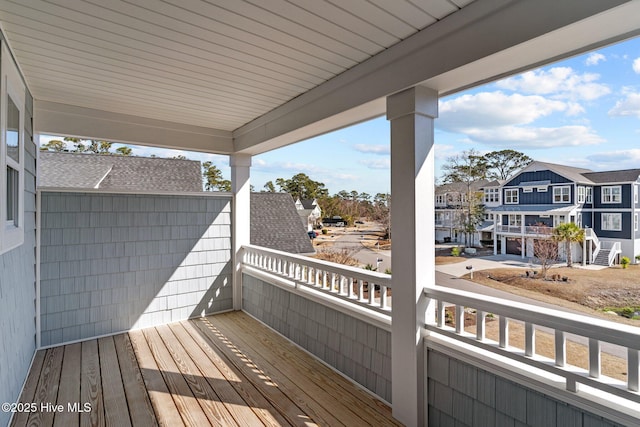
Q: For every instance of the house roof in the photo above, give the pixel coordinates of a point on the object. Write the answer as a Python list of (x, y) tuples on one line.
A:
[(461, 187), (628, 175), (308, 203), (118, 173), (275, 224), (572, 173)]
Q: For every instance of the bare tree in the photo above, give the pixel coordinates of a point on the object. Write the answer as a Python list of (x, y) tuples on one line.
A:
[(545, 249)]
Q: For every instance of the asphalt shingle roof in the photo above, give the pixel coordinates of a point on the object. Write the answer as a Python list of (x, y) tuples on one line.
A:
[(118, 173), (628, 175), (275, 224)]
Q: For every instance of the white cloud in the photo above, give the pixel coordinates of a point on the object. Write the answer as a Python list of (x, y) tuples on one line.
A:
[(594, 59), (636, 65), (535, 137), (374, 149), (557, 82), (491, 109), (619, 159), (628, 106), (376, 163)]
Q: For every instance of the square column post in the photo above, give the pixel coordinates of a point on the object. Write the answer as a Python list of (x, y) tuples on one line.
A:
[(241, 218), (411, 114)]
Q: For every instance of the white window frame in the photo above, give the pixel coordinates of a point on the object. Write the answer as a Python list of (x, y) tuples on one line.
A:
[(491, 195), (542, 189), (589, 198), (608, 221), (582, 194), (611, 198), (509, 198), (635, 194), (515, 220), (527, 189), (11, 235), (635, 222), (559, 191), (441, 199)]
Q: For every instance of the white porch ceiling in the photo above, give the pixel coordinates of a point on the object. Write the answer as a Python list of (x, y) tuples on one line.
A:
[(230, 75)]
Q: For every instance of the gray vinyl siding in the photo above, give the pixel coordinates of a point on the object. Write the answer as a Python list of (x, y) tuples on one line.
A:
[(359, 350), (463, 395), (17, 287), (112, 262)]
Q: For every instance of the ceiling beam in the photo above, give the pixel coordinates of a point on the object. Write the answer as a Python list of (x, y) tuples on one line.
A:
[(479, 33), (52, 118)]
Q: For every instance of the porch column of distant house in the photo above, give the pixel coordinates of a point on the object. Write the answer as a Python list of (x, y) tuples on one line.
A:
[(241, 218), (523, 241), (411, 114)]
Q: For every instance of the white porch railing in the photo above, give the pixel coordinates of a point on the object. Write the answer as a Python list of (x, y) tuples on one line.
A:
[(589, 234), (615, 249), (365, 288), (595, 331)]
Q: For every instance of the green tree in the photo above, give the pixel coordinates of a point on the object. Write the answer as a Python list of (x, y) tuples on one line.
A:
[(54, 145), (124, 150), (269, 187), (300, 185), (504, 163), (467, 168), (213, 179), (568, 233)]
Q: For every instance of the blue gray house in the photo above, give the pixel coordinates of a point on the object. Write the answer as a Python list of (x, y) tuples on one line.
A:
[(544, 195)]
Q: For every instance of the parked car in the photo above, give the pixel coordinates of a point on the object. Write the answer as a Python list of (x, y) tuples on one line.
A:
[(359, 222)]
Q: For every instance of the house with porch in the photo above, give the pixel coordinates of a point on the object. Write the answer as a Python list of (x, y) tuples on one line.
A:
[(543, 195), (310, 212), (165, 293)]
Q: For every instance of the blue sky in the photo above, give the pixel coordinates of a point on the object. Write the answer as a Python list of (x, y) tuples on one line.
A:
[(584, 112)]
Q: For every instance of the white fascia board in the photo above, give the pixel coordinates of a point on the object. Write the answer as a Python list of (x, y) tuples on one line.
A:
[(68, 120), (484, 40)]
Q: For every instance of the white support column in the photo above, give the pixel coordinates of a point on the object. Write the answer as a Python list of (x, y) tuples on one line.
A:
[(240, 186), (411, 114)]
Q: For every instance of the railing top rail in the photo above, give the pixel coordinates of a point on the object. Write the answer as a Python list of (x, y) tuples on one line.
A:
[(373, 276), (600, 329)]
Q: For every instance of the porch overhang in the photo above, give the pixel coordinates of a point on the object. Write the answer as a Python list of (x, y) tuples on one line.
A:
[(482, 41)]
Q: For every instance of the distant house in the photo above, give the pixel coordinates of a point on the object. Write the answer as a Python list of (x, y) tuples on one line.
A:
[(451, 202), (118, 173), (309, 212), (275, 222), (543, 195)]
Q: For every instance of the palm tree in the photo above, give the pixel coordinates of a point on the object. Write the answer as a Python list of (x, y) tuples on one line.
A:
[(568, 233)]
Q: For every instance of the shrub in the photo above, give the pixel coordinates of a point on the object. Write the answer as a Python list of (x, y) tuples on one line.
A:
[(387, 271), (625, 261), (455, 251), (325, 231), (637, 258)]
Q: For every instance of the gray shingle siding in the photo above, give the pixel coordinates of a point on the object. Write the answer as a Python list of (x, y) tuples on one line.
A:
[(461, 394), (17, 288), (359, 350), (110, 263)]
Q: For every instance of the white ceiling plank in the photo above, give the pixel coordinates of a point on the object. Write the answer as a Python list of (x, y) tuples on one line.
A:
[(301, 32), (437, 8), (326, 17), (120, 36), (408, 12), (377, 17), (52, 45), (190, 38), (40, 64)]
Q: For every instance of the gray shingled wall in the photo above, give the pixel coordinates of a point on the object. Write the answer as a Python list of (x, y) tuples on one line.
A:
[(112, 262), (17, 288), (359, 350), (463, 395)]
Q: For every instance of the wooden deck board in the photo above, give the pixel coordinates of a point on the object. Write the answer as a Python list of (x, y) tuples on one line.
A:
[(29, 389), (290, 375), (227, 370), (138, 401), (69, 391), (116, 410)]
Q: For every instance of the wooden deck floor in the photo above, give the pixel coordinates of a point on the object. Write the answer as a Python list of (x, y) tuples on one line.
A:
[(224, 370)]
